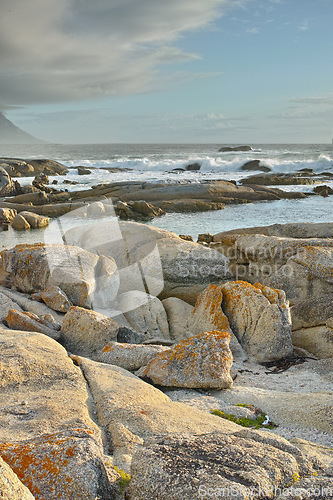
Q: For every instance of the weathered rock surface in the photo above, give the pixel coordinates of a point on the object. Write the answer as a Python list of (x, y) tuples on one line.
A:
[(291, 230), (35, 198), (208, 316), (145, 314), (56, 299), (30, 168), (202, 361), (30, 322), (6, 304), (36, 221), (317, 340), (85, 278), (6, 216), (178, 312), (122, 398), (259, 317), (19, 223), (86, 332), (153, 256), (11, 487), (46, 434), (306, 275), (128, 356), (8, 187), (26, 303), (274, 179), (302, 267), (213, 464), (311, 312)]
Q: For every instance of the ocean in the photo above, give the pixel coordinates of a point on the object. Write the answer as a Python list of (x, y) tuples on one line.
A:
[(156, 162)]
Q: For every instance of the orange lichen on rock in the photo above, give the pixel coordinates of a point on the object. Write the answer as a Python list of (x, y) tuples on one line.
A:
[(208, 304), (274, 295), (55, 465), (260, 318), (202, 361), (27, 321)]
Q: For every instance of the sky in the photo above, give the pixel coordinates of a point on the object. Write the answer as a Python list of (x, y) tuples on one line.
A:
[(168, 71)]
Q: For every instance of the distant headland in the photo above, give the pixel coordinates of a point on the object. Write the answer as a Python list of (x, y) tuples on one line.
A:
[(11, 134)]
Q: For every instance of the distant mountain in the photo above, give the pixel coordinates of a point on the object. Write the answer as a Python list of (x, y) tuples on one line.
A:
[(11, 134)]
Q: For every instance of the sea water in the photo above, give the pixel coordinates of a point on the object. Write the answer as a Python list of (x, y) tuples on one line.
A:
[(156, 163)]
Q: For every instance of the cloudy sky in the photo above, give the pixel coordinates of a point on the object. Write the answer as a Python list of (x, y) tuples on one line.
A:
[(219, 71)]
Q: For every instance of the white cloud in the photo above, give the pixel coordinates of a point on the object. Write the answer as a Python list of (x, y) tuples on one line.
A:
[(252, 31), (77, 49), (304, 26)]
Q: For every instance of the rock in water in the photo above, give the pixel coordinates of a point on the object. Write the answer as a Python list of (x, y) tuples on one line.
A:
[(203, 361), (259, 317), (7, 186), (20, 223)]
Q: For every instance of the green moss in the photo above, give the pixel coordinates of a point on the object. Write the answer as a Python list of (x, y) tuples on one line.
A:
[(245, 421), (124, 479)]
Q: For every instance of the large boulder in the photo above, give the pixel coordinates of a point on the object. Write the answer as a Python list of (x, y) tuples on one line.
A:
[(259, 317), (8, 187), (35, 221), (202, 361), (86, 332), (30, 168), (151, 259), (6, 216), (208, 316), (307, 274), (128, 356), (46, 434), (317, 340), (290, 230), (87, 280), (178, 312), (145, 314)]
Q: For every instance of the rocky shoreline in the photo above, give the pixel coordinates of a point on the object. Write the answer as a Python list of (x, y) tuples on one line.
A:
[(140, 365), (140, 201)]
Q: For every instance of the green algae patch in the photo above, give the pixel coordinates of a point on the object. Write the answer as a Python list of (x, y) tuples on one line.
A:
[(124, 479), (261, 421)]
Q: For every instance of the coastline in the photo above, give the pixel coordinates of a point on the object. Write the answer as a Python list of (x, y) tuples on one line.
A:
[(124, 336)]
